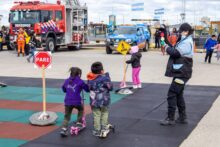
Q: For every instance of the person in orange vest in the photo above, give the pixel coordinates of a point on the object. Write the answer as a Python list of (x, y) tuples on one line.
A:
[(173, 37), (21, 41)]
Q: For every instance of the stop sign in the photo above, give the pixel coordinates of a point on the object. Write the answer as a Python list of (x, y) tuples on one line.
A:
[(43, 59)]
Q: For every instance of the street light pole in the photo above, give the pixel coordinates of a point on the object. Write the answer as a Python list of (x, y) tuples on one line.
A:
[(1, 16), (183, 14)]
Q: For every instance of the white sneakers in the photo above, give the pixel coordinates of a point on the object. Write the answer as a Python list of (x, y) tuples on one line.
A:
[(137, 86)]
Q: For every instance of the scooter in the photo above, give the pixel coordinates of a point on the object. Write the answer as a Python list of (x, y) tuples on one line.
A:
[(104, 133), (3, 84), (78, 127)]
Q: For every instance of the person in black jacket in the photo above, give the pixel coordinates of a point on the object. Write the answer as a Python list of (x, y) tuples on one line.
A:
[(179, 67), (1, 40), (157, 38), (32, 46), (136, 66), (218, 39)]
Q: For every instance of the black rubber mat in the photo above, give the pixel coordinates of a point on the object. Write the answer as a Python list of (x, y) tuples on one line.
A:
[(136, 118)]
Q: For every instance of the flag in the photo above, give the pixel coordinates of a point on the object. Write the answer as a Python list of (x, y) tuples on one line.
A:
[(159, 11), (137, 7)]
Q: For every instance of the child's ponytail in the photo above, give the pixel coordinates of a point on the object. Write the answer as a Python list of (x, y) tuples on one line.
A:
[(75, 71)]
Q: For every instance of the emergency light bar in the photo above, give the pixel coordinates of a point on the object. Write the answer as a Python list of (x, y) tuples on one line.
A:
[(28, 2)]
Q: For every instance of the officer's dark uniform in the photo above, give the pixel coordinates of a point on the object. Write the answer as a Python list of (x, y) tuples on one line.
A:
[(180, 68), (1, 40)]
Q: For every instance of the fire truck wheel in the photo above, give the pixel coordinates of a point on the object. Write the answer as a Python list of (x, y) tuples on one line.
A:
[(50, 44)]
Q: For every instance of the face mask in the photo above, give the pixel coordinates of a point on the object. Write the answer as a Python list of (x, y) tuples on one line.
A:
[(183, 36)]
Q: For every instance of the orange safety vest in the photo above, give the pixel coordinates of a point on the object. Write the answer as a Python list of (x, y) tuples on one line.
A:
[(173, 39), (21, 37)]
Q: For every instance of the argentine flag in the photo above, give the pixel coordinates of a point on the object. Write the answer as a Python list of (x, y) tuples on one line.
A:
[(137, 7)]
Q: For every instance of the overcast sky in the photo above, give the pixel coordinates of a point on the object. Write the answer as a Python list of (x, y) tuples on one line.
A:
[(99, 10)]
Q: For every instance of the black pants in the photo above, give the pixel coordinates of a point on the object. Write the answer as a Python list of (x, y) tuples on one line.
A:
[(68, 112), (27, 49), (208, 56), (176, 99), (1, 46), (157, 43)]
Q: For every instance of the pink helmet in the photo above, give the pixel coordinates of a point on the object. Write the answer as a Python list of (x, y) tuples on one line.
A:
[(134, 49)]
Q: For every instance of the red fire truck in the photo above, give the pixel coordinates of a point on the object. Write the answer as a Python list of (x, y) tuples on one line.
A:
[(60, 24)]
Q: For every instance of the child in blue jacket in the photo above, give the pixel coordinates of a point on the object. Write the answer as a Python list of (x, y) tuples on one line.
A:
[(100, 86), (209, 46)]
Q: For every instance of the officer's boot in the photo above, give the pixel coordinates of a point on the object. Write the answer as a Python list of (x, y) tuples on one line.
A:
[(182, 119), (169, 121)]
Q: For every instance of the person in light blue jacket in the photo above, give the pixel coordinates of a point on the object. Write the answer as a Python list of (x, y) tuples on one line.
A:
[(179, 67)]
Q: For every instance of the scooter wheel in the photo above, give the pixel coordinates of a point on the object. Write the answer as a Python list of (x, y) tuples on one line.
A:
[(113, 129), (71, 132), (76, 132)]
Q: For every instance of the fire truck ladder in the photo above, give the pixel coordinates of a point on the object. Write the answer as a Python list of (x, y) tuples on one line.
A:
[(72, 3), (77, 13)]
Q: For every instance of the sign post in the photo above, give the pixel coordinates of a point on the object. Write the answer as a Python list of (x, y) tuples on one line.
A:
[(43, 61), (44, 88), (123, 48)]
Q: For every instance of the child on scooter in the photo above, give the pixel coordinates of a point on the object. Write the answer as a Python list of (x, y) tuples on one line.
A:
[(100, 86), (135, 62), (73, 86)]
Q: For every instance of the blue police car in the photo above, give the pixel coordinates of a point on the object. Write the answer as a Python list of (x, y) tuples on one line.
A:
[(134, 35)]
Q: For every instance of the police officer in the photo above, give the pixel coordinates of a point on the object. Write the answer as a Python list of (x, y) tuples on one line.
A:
[(180, 68), (157, 38)]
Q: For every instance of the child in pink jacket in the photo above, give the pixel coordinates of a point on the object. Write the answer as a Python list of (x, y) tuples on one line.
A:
[(217, 47), (135, 62)]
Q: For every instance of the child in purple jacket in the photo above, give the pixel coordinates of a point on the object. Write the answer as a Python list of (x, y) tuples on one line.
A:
[(73, 86)]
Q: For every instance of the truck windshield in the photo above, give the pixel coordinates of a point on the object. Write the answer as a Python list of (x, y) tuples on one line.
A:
[(125, 30), (24, 17)]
